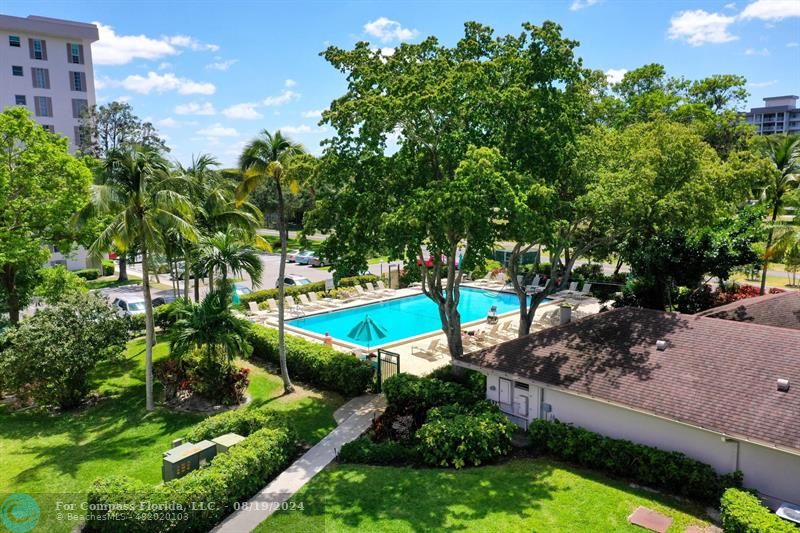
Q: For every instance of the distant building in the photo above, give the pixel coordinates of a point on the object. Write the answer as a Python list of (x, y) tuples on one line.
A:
[(779, 115), (46, 66)]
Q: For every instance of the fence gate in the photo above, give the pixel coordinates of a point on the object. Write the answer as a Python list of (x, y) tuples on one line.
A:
[(388, 366)]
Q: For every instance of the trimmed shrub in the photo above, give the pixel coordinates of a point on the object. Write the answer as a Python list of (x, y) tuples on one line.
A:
[(245, 421), (89, 274), (137, 325), (742, 512), (471, 380), (202, 497), (458, 436), (412, 395), (317, 286), (673, 472), (364, 450), (165, 316), (312, 362), (108, 267)]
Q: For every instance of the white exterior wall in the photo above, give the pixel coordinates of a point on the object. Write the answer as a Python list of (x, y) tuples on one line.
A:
[(774, 473), (56, 34), (78, 259)]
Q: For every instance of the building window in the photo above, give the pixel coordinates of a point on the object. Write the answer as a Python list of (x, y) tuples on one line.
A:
[(19, 99), (13, 40), (79, 136), (77, 81), (16, 70), (78, 105), (49, 127), (38, 49), (43, 106), (75, 53), (41, 78)]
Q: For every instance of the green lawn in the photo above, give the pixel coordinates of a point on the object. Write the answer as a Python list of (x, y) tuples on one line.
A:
[(521, 495), (56, 457), (107, 282)]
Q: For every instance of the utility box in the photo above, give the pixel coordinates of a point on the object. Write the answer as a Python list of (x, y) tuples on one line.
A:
[(226, 442), (183, 459)]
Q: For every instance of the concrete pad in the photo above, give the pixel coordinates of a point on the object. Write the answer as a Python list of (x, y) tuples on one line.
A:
[(650, 519)]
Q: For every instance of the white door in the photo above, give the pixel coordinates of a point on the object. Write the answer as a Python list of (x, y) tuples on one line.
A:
[(522, 405), (505, 392)]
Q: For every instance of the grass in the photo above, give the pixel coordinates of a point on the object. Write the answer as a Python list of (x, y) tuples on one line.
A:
[(109, 282), (520, 495), (781, 282), (55, 457)]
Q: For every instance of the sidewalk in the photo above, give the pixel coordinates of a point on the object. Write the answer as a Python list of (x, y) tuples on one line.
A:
[(354, 418)]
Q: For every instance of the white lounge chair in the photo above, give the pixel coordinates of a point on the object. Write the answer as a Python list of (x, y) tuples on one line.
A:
[(586, 291), (534, 286), (364, 294), (433, 350), (372, 290), (386, 290), (255, 311), (312, 296), (306, 303)]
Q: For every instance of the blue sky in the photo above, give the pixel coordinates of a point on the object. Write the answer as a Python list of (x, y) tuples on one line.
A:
[(211, 75)]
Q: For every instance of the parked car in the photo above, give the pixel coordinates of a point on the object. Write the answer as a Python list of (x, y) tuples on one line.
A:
[(317, 260), (303, 257), (293, 280), (134, 304), (242, 289), (291, 255)]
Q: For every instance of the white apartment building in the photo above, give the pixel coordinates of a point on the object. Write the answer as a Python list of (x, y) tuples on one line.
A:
[(46, 66), (779, 115)]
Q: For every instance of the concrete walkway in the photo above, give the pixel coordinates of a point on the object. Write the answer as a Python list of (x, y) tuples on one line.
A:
[(353, 418)]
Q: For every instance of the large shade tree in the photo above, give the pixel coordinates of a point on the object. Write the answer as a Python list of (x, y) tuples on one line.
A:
[(41, 186), (268, 158), (146, 203)]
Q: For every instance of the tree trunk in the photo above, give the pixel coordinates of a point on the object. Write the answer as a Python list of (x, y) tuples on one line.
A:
[(287, 383), (770, 235), (150, 333), (123, 267), (196, 288), (446, 303), (12, 297), (186, 271)]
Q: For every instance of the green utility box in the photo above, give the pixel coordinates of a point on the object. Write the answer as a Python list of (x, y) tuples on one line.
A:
[(226, 442), (182, 459)]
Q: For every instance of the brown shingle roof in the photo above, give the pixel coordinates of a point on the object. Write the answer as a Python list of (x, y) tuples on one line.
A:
[(779, 310), (715, 374)]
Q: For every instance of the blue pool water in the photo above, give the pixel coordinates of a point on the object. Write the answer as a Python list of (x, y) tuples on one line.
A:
[(406, 317)]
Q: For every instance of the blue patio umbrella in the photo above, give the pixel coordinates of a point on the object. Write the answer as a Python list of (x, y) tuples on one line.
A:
[(367, 331)]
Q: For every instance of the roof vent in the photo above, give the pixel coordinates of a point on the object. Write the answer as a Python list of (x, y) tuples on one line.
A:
[(661, 345), (783, 385)]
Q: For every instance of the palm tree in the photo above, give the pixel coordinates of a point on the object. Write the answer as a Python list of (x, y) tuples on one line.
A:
[(267, 157), (229, 251), (784, 153), (143, 198)]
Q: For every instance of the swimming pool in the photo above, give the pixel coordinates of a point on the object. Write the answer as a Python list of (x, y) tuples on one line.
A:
[(406, 317)]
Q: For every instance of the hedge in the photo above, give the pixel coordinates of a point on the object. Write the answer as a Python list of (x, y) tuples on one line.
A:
[(89, 274), (312, 362), (108, 267), (364, 450), (742, 512), (200, 499), (673, 472), (240, 421), (407, 394), (317, 286), (456, 436)]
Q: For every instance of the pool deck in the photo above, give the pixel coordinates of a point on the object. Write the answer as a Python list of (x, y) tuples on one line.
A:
[(413, 357)]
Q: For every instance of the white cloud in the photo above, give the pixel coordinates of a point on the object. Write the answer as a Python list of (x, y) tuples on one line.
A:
[(184, 41), (246, 111), (289, 83), (731, 5), (389, 30), (164, 65), (761, 84), (294, 130), (699, 27), (771, 10), (124, 98), (314, 113), (168, 122), (577, 5), (756, 52), (160, 83), (614, 75), (218, 130), (114, 49), (222, 65), (286, 96), (792, 44), (195, 108)]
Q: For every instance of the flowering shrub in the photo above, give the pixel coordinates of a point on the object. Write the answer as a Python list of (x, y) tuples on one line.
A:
[(694, 301)]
